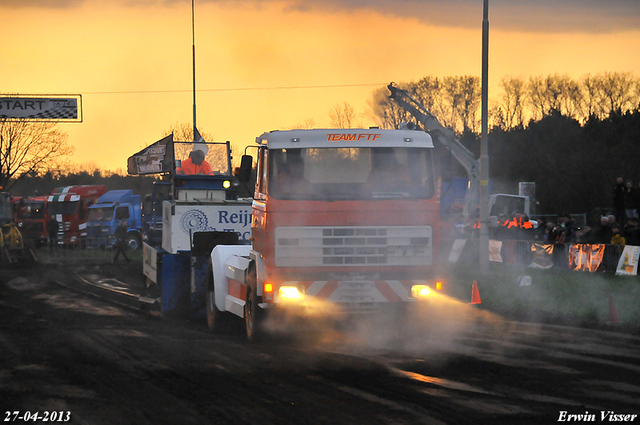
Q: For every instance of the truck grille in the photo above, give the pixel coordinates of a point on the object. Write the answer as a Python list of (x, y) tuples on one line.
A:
[(353, 246)]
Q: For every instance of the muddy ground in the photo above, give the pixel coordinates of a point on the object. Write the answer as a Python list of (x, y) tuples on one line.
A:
[(104, 363)]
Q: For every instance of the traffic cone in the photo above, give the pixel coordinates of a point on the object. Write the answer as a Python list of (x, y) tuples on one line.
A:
[(613, 311), (475, 294)]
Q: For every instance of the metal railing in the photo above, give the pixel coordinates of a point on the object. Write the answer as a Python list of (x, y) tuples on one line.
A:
[(88, 250), (522, 252), (514, 252)]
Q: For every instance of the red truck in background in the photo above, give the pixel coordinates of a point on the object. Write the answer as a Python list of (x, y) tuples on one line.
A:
[(70, 207), (31, 218)]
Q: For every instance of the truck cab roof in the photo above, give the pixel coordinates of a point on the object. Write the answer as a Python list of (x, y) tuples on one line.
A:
[(114, 196), (347, 138)]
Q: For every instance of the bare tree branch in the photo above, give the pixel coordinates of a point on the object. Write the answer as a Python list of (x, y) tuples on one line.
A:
[(28, 147)]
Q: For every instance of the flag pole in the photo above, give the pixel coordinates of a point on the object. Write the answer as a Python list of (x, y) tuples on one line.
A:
[(193, 39), (484, 147)]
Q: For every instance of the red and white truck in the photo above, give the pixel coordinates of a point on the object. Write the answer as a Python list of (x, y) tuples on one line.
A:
[(346, 218), (70, 207)]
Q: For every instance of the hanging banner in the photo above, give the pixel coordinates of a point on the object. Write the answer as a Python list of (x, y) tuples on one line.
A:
[(42, 108), (542, 256), (494, 251), (154, 159), (586, 257), (456, 250), (628, 263), (509, 252)]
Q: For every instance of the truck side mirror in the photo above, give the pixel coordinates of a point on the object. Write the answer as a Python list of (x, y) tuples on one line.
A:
[(246, 163)]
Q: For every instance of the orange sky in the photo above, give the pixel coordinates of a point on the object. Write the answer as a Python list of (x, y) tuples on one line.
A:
[(132, 63)]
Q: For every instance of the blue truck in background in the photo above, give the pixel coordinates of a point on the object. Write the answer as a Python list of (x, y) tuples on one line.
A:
[(107, 213)]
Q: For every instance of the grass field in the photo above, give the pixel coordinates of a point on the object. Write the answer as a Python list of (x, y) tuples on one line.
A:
[(554, 295)]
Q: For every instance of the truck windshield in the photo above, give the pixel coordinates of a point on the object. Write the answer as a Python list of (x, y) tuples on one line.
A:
[(202, 158), (30, 210), (351, 173), (62, 208), (101, 214)]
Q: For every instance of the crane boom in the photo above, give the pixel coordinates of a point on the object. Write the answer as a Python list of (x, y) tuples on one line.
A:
[(445, 137)]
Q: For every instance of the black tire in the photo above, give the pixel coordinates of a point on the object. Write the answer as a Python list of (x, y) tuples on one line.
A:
[(212, 311), (252, 314), (133, 241)]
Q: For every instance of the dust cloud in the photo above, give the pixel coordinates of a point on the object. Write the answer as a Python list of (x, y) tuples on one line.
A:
[(428, 327)]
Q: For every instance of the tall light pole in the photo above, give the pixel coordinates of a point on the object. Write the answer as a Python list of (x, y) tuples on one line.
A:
[(484, 146), (193, 51)]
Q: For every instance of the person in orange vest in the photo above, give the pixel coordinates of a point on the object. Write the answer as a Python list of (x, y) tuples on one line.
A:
[(513, 226), (519, 226), (195, 164), (526, 228), (501, 228), (475, 232), (475, 227)]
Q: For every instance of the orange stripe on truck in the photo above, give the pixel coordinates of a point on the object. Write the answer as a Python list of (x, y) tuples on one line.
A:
[(387, 292), (237, 289), (327, 290)]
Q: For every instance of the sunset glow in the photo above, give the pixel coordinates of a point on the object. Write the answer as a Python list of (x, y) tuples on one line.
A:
[(266, 65)]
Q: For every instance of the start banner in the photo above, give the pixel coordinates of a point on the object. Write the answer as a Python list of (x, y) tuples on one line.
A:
[(42, 108)]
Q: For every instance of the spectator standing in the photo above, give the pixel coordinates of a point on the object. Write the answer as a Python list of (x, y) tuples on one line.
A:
[(569, 225), (539, 232), (612, 221), (578, 236), (549, 235), (617, 238), (500, 230), (557, 234), (618, 201), (630, 200), (52, 232), (526, 228), (630, 232), (602, 232), (121, 242), (587, 234)]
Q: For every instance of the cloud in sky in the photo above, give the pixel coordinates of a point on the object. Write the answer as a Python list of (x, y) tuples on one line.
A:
[(520, 15), (131, 59), (551, 16)]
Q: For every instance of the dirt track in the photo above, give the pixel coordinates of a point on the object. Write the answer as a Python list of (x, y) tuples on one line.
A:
[(65, 351)]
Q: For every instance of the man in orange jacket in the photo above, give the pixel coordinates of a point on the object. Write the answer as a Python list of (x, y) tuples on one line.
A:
[(195, 164)]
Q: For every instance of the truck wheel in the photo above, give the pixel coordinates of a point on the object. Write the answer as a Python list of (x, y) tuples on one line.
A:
[(133, 241), (212, 310), (252, 313)]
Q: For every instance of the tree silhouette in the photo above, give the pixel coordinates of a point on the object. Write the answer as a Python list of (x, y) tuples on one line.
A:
[(344, 116), (30, 148), (512, 102), (571, 137)]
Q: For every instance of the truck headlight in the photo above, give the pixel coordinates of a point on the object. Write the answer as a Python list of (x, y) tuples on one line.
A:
[(290, 293), (420, 291)]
